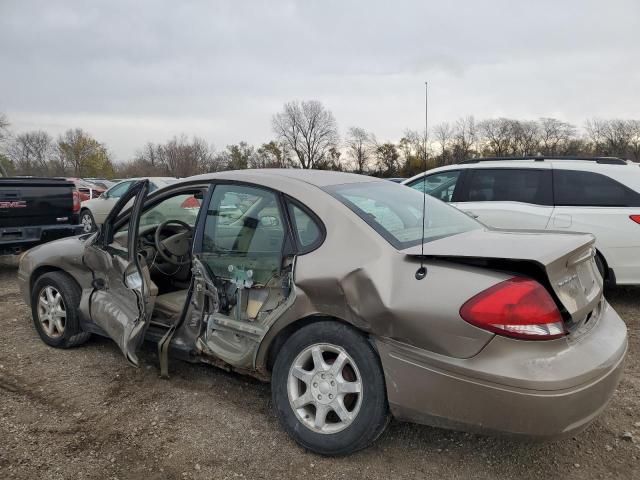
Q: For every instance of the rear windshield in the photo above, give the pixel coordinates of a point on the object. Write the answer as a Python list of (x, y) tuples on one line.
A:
[(395, 212)]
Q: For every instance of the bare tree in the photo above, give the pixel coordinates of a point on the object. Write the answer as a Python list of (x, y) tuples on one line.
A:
[(4, 128), (497, 134), (526, 137), (181, 158), (555, 135), (610, 137), (443, 134), (359, 144), (464, 138), (31, 152), (634, 141), (308, 129)]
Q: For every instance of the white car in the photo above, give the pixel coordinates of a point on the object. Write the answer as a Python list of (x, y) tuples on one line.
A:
[(595, 195), (94, 212)]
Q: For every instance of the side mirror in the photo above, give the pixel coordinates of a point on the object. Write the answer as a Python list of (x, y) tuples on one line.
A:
[(104, 195)]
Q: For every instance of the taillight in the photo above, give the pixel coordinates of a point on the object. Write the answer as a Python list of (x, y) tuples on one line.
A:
[(518, 308), (76, 201), (635, 218), (191, 202)]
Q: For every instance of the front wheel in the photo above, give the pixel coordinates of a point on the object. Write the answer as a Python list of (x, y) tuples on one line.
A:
[(328, 389), (87, 221), (55, 298)]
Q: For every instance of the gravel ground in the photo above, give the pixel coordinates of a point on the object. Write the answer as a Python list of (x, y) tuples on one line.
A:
[(84, 413)]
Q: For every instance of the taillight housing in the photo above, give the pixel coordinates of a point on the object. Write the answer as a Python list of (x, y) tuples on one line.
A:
[(635, 218), (190, 202), (518, 308), (76, 201)]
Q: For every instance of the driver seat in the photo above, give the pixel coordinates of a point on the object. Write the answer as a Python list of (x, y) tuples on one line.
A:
[(170, 305)]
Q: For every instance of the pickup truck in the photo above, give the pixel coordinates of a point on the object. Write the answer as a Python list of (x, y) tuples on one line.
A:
[(36, 210)]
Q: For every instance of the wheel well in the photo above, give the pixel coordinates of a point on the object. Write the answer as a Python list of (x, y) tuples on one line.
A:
[(283, 335), (38, 272), (609, 274)]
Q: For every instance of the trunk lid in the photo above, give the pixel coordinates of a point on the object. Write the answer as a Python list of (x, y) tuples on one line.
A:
[(567, 259)]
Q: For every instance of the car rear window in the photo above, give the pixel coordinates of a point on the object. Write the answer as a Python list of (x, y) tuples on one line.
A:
[(588, 189), (395, 212)]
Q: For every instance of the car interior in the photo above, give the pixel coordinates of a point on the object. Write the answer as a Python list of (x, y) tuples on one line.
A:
[(243, 244), (165, 238)]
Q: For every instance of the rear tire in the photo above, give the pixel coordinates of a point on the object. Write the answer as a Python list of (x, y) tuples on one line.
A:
[(345, 375), (55, 299), (87, 221)]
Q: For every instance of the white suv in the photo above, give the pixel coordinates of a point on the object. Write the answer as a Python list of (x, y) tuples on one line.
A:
[(596, 195)]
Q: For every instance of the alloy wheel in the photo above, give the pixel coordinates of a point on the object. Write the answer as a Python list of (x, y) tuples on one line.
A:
[(87, 222), (325, 388), (52, 313)]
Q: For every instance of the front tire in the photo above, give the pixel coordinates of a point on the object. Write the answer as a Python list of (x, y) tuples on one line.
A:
[(87, 221), (328, 389), (55, 299)]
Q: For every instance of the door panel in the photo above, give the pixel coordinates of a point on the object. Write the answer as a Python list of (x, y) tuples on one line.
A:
[(508, 215), (118, 302), (101, 209)]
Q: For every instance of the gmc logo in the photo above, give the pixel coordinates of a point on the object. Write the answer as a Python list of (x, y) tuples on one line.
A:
[(14, 204)]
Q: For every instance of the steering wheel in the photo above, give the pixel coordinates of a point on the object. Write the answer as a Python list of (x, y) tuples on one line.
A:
[(176, 248)]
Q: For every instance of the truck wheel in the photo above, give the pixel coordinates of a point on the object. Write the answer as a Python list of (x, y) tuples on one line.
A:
[(87, 221), (55, 299), (328, 389)]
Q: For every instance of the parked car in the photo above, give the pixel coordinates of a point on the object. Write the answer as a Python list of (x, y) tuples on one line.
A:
[(101, 182), (94, 212), (595, 195), (36, 210), (327, 285), (86, 189)]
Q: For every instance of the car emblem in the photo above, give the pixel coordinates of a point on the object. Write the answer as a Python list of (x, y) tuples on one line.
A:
[(14, 204)]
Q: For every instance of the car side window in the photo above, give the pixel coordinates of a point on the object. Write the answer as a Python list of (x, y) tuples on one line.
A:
[(308, 231), (244, 230), (119, 190), (523, 185), (438, 185), (582, 189)]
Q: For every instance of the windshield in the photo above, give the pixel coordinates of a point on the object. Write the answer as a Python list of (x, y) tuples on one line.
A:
[(395, 212)]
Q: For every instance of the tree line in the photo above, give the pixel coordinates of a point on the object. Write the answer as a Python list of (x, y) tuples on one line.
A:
[(306, 135)]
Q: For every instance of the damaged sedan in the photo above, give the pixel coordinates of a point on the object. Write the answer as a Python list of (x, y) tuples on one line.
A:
[(355, 299)]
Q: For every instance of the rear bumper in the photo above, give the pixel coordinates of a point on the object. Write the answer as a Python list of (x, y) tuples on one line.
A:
[(527, 390), (14, 240)]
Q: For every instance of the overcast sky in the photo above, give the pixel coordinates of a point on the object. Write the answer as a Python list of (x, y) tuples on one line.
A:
[(136, 71)]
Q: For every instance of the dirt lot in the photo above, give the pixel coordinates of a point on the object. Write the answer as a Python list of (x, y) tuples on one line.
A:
[(85, 413)]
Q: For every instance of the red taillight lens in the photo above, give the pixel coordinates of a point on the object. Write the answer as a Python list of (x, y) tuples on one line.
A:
[(76, 201), (518, 308), (635, 218), (191, 202)]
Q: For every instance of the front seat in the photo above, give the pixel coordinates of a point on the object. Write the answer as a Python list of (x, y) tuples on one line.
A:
[(170, 305)]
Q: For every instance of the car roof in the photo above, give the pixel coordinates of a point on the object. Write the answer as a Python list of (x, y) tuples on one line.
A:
[(152, 179), (319, 178), (624, 171)]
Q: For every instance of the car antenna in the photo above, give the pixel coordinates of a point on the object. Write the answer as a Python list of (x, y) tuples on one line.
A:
[(422, 271)]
